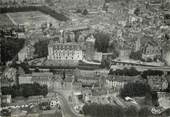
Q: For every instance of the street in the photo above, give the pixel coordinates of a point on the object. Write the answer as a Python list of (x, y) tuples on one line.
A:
[(67, 111)]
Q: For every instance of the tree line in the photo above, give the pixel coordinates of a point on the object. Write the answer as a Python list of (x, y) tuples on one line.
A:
[(25, 90), (10, 48), (133, 89), (133, 72), (99, 110), (107, 110), (151, 73), (127, 72)]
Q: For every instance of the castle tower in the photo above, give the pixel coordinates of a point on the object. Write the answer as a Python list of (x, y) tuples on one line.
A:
[(90, 50)]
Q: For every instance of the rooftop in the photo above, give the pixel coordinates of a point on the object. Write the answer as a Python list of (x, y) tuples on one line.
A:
[(63, 45), (42, 74)]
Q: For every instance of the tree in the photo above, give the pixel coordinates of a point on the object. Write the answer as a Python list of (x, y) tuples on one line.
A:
[(131, 111), (151, 73), (125, 72), (105, 63), (84, 12), (25, 67), (25, 90), (167, 112), (99, 110), (137, 11), (155, 98), (102, 41), (44, 90), (144, 112), (41, 48), (10, 48), (136, 55), (113, 48), (132, 89)]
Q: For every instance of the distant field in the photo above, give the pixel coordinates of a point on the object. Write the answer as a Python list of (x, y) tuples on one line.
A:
[(32, 18), (4, 20)]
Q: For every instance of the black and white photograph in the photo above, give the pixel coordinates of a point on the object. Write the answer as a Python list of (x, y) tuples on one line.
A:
[(85, 58)]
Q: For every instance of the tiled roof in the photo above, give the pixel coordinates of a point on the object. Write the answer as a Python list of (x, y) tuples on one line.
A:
[(64, 46), (42, 74), (123, 78)]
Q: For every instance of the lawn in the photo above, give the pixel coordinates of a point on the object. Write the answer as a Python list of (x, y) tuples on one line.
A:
[(4, 20), (32, 18)]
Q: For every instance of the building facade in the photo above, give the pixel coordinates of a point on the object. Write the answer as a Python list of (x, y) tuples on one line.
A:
[(25, 79), (124, 53), (151, 51), (117, 82), (64, 51), (157, 83), (43, 78)]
